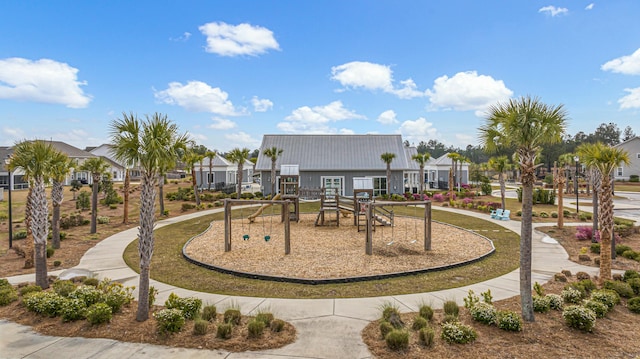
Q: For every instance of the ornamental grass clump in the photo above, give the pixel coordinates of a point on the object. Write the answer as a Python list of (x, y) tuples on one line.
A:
[(419, 323), (224, 331), (265, 317), (277, 325), (391, 314), (458, 333), (385, 328), (209, 313), (200, 327), (397, 339), (427, 336), (579, 317), (232, 316), (255, 328), (425, 311), (450, 307)]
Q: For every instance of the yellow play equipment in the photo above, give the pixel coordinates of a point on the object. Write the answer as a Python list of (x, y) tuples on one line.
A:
[(253, 217)]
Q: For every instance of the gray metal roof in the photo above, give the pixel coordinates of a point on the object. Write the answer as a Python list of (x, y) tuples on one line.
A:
[(72, 152), (336, 152)]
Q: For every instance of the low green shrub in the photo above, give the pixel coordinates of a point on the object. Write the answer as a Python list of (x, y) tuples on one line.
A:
[(89, 294), (541, 304), (426, 311), (419, 323), (277, 325), (169, 320), (397, 339), (579, 317), (571, 295), (99, 313), (50, 252), (607, 297), (232, 316), (597, 307), (554, 214), (458, 333), (483, 313), (187, 206), (224, 331), (559, 277), (72, 309), (209, 313), (43, 303), (634, 283), (595, 248), (255, 328), (63, 287), (426, 336), (634, 305), (555, 301), (8, 294), (91, 281), (471, 299), (189, 306), (582, 276), (588, 285), (509, 320), (116, 296), (30, 289), (451, 307), (622, 288), (621, 248), (629, 274)]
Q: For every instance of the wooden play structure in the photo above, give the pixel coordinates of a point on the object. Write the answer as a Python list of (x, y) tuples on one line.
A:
[(228, 204), (289, 190)]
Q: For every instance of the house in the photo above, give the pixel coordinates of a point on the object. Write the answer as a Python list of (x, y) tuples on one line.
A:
[(221, 173), (332, 161), (117, 169), (632, 147)]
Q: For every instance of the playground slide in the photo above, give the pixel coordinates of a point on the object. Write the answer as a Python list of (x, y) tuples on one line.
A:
[(252, 217)]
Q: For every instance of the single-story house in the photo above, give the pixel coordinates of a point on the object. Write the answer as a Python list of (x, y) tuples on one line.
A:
[(332, 161), (632, 146), (117, 169)]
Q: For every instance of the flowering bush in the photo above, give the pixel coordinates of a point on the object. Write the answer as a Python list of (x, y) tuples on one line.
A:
[(579, 317), (555, 301), (467, 200), (99, 313), (571, 295), (189, 307), (438, 197), (483, 313), (44, 303), (87, 293), (169, 320), (456, 332), (509, 320), (607, 297), (584, 233)]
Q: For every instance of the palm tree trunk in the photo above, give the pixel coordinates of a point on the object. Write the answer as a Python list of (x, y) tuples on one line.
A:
[(239, 177), (503, 189), (210, 171), (29, 247), (125, 195), (596, 187), (526, 300), (421, 181), (145, 243), (606, 226), (273, 178), (57, 192), (94, 204), (195, 185), (40, 229), (560, 205), (389, 180), (161, 194)]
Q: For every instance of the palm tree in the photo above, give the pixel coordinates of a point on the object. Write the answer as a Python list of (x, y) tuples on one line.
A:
[(34, 158), (239, 157), (97, 166), (158, 142), (191, 159), (526, 124), (126, 131), (273, 153), (461, 160), (422, 159), (210, 155), (387, 158), (561, 181), (61, 165), (454, 157), (500, 164), (604, 160)]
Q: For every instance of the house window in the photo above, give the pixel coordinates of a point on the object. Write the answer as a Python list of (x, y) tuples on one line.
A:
[(379, 186), (334, 185), (638, 156), (211, 177), (619, 172), (231, 177)]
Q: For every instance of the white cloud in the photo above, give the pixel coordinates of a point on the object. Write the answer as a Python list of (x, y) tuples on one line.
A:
[(317, 119), (261, 105), (590, 6), (387, 118), (467, 91), (44, 80), (244, 39), (198, 96), (554, 11), (632, 100), (182, 38), (372, 77), (465, 139), (222, 124), (198, 137), (418, 130), (242, 139), (628, 65), (16, 134)]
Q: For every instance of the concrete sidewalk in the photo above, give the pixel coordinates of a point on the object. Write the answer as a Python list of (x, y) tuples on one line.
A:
[(327, 328)]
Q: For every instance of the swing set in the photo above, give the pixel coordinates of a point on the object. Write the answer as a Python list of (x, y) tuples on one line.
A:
[(228, 204), (426, 227)]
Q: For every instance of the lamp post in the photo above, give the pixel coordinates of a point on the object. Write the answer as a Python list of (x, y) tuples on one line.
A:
[(576, 158), (6, 162)]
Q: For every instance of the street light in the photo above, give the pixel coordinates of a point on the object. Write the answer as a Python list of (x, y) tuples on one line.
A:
[(6, 162), (576, 158)]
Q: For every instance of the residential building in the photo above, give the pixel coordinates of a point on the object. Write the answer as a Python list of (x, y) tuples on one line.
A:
[(221, 173), (623, 172)]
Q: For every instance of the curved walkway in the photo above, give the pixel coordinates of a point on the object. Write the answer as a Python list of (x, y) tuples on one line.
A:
[(327, 328)]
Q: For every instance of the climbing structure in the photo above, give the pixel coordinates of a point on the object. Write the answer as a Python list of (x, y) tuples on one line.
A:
[(289, 190)]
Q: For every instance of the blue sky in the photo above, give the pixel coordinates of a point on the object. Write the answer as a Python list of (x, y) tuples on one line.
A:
[(230, 71)]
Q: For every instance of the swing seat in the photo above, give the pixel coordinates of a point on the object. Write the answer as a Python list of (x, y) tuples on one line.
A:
[(245, 237), (267, 238)]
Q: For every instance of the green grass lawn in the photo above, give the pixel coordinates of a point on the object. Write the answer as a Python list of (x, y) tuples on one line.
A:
[(169, 266)]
